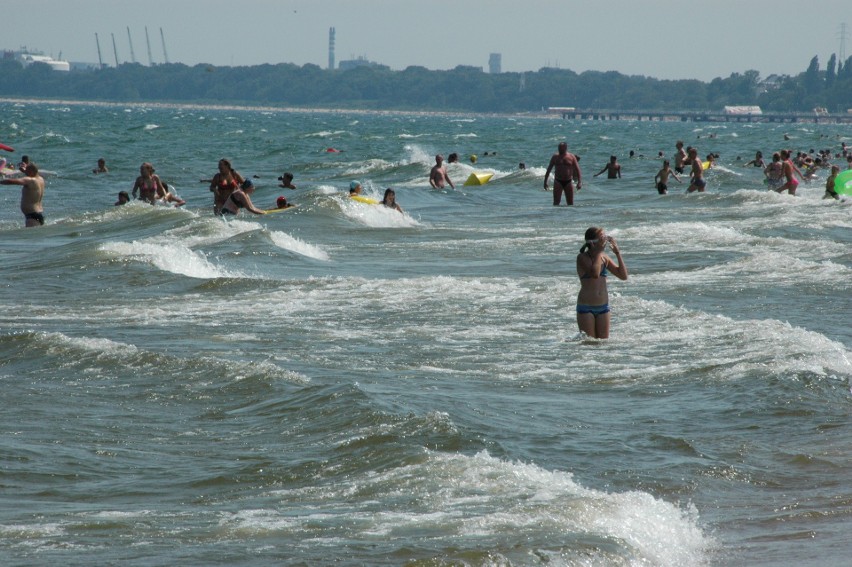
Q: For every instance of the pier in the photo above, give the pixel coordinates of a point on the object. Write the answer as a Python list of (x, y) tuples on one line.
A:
[(699, 116)]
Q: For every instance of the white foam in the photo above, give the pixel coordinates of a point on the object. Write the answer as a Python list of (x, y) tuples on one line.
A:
[(716, 346), (366, 166), (159, 315), (169, 257), (417, 154), (324, 134), (376, 216), (105, 346), (479, 496), (327, 189), (293, 244), (209, 230)]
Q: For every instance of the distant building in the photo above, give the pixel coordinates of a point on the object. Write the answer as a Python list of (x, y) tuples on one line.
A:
[(495, 63), (770, 83), (359, 62), (743, 110), (27, 58)]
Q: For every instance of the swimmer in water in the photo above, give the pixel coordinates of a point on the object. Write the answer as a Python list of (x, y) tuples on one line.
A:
[(593, 266), (389, 200)]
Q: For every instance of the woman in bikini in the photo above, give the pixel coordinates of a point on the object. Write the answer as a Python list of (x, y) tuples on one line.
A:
[(789, 169), (225, 182), (148, 186), (758, 161), (240, 198), (593, 266)]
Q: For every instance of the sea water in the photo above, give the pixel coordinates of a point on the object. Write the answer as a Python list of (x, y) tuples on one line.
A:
[(342, 383)]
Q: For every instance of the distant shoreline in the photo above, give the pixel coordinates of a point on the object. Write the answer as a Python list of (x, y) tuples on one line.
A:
[(240, 107)]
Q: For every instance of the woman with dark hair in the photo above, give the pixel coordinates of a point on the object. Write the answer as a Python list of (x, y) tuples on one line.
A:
[(225, 182), (758, 160), (389, 200), (788, 167), (240, 198), (593, 266)]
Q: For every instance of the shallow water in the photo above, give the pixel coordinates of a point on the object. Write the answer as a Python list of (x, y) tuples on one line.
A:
[(344, 383)]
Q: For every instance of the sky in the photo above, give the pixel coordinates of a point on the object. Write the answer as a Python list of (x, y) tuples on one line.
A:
[(665, 39)]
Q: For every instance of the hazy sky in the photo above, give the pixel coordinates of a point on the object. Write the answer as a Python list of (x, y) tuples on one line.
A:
[(658, 38)]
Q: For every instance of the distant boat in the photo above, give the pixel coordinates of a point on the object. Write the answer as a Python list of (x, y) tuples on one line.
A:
[(27, 58)]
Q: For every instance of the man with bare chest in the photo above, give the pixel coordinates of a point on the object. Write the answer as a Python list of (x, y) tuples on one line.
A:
[(438, 176), (566, 169), (32, 192)]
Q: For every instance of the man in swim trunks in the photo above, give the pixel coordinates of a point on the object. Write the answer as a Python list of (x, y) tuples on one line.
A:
[(698, 182), (32, 192), (566, 170), (438, 177)]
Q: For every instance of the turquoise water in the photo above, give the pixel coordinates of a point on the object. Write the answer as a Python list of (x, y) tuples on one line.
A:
[(344, 384)]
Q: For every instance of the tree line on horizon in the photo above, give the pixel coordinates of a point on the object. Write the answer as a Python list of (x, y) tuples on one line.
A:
[(417, 88)]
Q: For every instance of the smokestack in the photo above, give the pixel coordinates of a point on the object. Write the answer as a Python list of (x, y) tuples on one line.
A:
[(331, 49)]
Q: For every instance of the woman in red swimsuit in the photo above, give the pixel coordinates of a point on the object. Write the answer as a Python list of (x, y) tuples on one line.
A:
[(148, 186), (223, 184)]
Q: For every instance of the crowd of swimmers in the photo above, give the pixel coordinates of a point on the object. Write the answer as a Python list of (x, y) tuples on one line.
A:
[(782, 173), (232, 192)]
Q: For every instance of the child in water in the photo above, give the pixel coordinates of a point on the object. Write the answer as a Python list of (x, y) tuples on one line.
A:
[(662, 178), (830, 193), (281, 203), (389, 200)]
